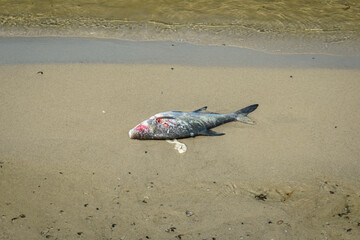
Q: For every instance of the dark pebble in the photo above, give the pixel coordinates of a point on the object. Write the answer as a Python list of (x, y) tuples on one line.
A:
[(40, 72), (332, 192), (172, 68), (79, 233), (22, 216), (97, 208), (147, 237), (261, 196), (269, 222), (61, 172), (349, 230), (171, 229), (86, 204), (145, 151), (129, 172), (48, 236), (335, 126), (113, 225), (291, 76)]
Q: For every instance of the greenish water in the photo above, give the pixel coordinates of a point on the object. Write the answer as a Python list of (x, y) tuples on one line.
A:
[(273, 25)]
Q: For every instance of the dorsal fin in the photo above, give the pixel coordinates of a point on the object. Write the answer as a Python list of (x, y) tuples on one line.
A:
[(201, 109)]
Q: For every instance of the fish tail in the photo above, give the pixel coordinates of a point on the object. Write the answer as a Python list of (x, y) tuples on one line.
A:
[(241, 115)]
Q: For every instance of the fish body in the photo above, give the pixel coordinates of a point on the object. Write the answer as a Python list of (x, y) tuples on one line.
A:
[(176, 124)]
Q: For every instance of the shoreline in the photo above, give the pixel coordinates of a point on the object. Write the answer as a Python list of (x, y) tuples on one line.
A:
[(309, 41), (34, 50)]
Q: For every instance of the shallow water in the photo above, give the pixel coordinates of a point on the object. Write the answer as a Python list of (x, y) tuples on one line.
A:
[(311, 26)]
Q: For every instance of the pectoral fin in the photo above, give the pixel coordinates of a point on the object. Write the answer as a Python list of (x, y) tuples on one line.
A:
[(209, 132), (201, 109)]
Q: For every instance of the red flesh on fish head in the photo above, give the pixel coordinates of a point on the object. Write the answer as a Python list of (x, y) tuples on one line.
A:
[(137, 131)]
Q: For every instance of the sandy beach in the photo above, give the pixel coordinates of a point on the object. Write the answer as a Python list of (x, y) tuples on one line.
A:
[(68, 169)]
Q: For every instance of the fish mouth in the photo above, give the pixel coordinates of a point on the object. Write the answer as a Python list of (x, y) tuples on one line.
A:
[(131, 134)]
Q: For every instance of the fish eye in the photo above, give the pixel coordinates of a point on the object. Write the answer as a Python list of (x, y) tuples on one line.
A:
[(160, 120)]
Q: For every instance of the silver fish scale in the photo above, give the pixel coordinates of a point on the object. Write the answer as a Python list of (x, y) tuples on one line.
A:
[(171, 128), (189, 124)]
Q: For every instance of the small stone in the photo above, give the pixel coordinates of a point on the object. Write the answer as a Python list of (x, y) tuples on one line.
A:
[(261, 196), (189, 213), (331, 192), (171, 229), (22, 215), (279, 222)]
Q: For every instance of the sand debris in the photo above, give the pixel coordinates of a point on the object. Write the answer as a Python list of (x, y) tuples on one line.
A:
[(181, 147)]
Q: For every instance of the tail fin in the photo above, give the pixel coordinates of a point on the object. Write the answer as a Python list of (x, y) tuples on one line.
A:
[(241, 115)]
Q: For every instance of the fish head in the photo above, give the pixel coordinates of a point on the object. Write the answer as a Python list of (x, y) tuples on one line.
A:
[(159, 126), (144, 130)]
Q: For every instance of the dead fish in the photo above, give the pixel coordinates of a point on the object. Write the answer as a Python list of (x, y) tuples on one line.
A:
[(176, 124)]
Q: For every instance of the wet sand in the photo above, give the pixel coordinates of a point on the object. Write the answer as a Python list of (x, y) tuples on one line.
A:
[(68, 169)]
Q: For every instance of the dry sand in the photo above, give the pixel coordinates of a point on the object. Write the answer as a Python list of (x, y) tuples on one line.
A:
[(68, 169)]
